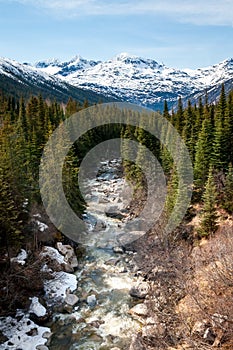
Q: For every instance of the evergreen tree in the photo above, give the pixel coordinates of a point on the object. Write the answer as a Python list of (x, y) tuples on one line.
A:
[(179, 117), (187, 133), (203, 153), (229, 142), (228, 191), (166, 111), (129, 167), (209, 215), (71, 107), (172, 192), (218, 154), (11, 198)]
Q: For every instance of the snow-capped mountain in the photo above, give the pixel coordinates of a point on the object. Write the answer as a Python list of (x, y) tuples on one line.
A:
[(56, 67), (23, 79), (124, 77), (16, 71), (138, 80)]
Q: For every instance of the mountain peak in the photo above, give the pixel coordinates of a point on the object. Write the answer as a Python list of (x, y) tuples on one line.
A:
[(48, 62), (128, 77), (127, 58), (124, 56)]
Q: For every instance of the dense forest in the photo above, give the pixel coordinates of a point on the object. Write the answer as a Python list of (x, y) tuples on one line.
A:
[(207, 131), (191, 281)]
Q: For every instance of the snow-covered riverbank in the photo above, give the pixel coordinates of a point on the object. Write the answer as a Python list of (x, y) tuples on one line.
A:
[(21, 332)]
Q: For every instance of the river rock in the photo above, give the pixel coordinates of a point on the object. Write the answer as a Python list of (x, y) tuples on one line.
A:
[(96, 323), (91, 300), (139, 290), (100, 225), (47, 335), (67, 308), (54, 259), (118, 250), (112, 261), (152, 320), (103, 200), (42, 347), (139, 313), (114, 212), (71, 299), (69, 255), (139, 309)]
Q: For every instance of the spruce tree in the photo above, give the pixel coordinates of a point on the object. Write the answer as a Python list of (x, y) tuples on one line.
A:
[(228, 191), (218, 154), (179, 117), (187, 133), (209, 215), (11, 198), (166, 111), (203, 153)]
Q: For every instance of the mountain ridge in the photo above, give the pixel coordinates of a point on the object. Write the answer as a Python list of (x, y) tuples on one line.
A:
[(141, 80), (124, 77), (22, 79)]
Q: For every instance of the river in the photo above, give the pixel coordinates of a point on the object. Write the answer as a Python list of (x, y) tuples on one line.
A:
[(101, 321)]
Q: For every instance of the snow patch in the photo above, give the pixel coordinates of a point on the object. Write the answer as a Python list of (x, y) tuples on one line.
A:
[(36, 308), (53, 254), (61, 283), (22, 334), (37, 216), (20, 258), (42, 226)]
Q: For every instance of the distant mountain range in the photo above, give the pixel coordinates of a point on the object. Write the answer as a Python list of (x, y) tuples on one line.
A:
[(19, 79), (124, 77)]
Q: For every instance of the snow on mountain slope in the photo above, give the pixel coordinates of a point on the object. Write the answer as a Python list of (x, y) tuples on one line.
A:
[(125, 77), (17, 71), (213, 75), (138, 80), (24, 80), (54, 66)]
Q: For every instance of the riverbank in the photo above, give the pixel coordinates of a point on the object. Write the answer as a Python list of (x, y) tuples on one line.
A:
[(26, 328), (91, 308), (142, 294)]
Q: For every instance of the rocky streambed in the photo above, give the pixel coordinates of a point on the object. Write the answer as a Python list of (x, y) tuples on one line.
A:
[(104, 317), (95, 304)]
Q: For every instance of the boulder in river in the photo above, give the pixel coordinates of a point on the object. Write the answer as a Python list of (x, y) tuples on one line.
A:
[(139, 309), (114, 212), (71, 299), (118, 250), (100, 225), (139, 290), (69, 254), (91, 300)]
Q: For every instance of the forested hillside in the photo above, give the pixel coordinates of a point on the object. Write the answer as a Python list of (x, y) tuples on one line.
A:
[(25, 127)]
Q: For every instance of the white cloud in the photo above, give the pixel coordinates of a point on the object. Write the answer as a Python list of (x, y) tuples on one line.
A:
[(209, 12)]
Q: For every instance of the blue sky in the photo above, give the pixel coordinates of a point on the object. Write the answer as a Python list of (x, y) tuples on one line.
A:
[(181, 33)]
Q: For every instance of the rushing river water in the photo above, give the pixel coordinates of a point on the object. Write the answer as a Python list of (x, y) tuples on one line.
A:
[(101, 321)]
